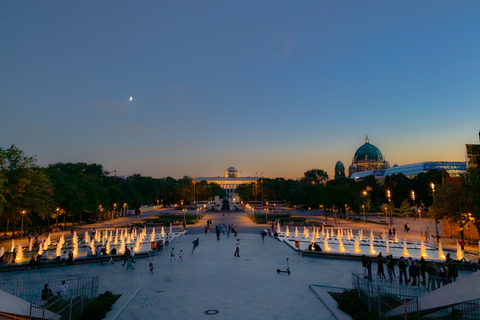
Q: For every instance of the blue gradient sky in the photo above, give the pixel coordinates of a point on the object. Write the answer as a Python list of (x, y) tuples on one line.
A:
[(278, 87)]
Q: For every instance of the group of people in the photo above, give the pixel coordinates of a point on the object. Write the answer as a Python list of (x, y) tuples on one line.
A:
[(226, 229), (129, 258), (47, 293), (412, 271)]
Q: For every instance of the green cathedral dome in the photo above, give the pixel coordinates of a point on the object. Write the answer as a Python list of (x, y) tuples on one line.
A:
[(368, 152)]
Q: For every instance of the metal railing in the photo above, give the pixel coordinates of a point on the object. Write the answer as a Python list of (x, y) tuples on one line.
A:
[(392, 300), (80, 291)]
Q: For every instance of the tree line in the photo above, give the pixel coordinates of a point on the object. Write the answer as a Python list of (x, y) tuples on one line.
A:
[(32, 195)]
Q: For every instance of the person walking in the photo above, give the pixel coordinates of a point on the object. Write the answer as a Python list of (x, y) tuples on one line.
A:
[(235, 232), (217, 230), (151, 267), (423, 269), (180, 256), (126, 255), (129, 263), (132, 254), (368, 265), (414, 273), (195, 244), (172, 254), (390, 267), (237, 250)]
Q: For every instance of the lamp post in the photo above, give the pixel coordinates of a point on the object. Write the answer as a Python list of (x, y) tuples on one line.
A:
[(363, 206), (194, 193), (114, 210), (413, 202), (21, 227), (56, 217), (389, 201), (184, 211), (256, 191), (432, 185)]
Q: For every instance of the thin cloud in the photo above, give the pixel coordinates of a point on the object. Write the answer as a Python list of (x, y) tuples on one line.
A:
[(290, 43)]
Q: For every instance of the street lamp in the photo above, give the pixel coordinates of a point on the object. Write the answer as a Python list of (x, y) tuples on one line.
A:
[(21, 227), (56, 217), (389, 200), (184, 211), (194, 193), (364, 214), (363, 206), (114, 210), (432, 185)]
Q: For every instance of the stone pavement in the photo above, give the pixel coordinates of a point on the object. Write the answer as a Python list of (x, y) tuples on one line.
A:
[(247, 287)]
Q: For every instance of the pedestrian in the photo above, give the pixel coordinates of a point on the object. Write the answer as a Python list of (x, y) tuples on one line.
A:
[(237, 250), (423, 269), (402, 266), (132, 254), (390, 232), (390, 267), (405, 227), (151, 267), (432, 275), (180, 256), (438, 237), (129, 263), (63, 289), (235, 231), (46, 293), (172, 254), (195, 244), (414, 273), (126, 254), (369, 268), (167, 240), (217, 230), (393, 231), (364, 266), (380, 269)]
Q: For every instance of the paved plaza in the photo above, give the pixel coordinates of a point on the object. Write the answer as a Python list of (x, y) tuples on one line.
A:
[(245, 287)]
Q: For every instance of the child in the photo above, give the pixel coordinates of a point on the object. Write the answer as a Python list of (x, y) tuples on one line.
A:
[(172, 254), (180, 256), (151, 267)]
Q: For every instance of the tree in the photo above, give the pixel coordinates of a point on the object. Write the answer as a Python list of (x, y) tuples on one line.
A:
[(25, 190), (315, 176), (405, 208)]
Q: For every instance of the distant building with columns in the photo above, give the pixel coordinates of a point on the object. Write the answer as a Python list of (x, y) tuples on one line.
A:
[(230, 181)]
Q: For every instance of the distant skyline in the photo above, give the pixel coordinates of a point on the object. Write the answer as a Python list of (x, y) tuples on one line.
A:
[(278, 87)]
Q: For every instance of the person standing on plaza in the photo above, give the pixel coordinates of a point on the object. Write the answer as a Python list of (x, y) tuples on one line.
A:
[(380, 269), (423, 269), (167, 240), (63, 289), (237, 250), (151, 267), (180, 256), (195, 244), (390, 267), (235, 232), (414, 273), (432, 276), (368, 265), (402, 266), (172, 254), (217, 230)]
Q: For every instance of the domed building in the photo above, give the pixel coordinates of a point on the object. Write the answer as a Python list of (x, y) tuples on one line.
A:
[(366, 158), (339, 170)]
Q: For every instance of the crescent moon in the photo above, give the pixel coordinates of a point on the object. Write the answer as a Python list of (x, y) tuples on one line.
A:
[(130, 99)]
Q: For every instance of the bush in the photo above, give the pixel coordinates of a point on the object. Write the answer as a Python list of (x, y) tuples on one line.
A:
[(349, 303), (99, 307)]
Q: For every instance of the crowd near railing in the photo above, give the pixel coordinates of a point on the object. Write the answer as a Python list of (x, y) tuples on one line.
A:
[(394, 300)]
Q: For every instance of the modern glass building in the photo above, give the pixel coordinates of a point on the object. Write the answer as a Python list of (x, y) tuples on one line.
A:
[(454, 169)]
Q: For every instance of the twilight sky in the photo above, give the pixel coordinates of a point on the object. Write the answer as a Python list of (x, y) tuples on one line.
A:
[(278, 87)]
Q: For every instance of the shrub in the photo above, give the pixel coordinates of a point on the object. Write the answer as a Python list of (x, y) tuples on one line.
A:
[(99, 307)]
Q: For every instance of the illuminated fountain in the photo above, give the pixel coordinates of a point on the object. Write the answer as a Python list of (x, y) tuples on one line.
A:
[(305, 233), (296, 232), (372, 249), (19, 252), (2, 251), (396, 237), (30, 245), (323, 231), (13, 246), (440, 251), (341, 248), (287, 233), (108, 247), (415, 242), (122, 245), (40, 250), (163, 233), (387, 246), (357, 245), (45, 246), (58, 251), (423, 250), (325, 244), (152, 237), (405, 251), (86, 239), (459, 252)]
